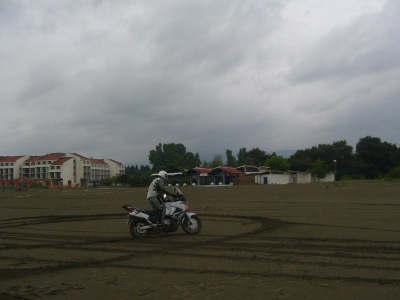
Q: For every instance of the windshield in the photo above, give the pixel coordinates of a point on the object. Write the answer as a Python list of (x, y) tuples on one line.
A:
[(177, 191)]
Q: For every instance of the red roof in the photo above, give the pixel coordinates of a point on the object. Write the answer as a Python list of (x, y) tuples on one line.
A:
[(33, 159), (80, 156), (117, 162), (10, 158), (202, 170), (61, 161), (52, 156), (95, 161), (227, 169)]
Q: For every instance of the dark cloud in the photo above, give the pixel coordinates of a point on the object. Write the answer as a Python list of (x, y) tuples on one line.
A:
[(366, 46), (114, 79)]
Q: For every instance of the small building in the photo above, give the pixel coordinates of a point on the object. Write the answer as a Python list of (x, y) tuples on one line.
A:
[(224, 175), (272, 177), (198, 176), (290, 177), (248, 169), (215, 176)]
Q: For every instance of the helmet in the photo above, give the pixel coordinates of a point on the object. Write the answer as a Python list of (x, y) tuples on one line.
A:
[(163, 175)]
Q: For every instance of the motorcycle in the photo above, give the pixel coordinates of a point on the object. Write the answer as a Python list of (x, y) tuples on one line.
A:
[(142, 222)]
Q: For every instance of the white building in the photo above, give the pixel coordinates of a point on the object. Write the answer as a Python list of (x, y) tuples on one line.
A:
[(100, 170), (116, 168), (275, 177), (59, 169), (10, 167)]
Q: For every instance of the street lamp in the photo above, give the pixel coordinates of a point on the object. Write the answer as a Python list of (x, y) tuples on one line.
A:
[(334, 174)]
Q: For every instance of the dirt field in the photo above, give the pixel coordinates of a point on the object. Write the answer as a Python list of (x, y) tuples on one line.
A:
[(314, 241)]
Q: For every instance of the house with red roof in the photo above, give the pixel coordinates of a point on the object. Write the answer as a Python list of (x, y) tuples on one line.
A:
[(198, 176), (216, 176), (224, 175), (59, 169)]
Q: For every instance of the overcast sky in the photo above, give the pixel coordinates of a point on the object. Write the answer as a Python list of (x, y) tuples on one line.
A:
[(112, 79)]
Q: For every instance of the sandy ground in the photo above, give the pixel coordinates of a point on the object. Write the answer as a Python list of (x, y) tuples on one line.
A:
[(314, 241)]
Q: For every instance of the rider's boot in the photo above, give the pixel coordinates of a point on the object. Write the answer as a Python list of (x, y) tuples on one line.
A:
[(162, 215), (159, 216)]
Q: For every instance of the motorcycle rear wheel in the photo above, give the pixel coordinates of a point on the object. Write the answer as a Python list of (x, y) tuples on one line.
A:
[(192, 225), (136, 231)]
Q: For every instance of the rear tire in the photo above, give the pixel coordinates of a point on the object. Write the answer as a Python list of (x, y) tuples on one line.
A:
[(192, 225), (136, 231)]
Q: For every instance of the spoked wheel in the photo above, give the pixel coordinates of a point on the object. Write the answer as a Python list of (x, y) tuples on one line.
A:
[(137, 231), (191, 225)]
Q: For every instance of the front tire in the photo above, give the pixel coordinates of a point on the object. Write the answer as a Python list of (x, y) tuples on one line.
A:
[(191, 225), (136, 231)]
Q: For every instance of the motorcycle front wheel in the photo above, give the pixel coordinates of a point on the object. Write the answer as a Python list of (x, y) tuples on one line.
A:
[(136, 230), (191, 225)]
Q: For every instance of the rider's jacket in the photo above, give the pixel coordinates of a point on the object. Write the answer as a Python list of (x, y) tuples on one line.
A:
[(157, 188)]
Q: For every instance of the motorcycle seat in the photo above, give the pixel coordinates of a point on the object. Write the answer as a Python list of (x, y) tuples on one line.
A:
[(148, 212)]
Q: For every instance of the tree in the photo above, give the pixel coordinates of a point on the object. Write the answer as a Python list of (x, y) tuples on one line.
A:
[(192, 160), (230, 159), (256, 157), (394, 173), (339, 151), (300, 161), (135, 170), (242, 156), (173, 158), (343, 155), (217, 161), (318, 169), (375, 158), (278, 163)]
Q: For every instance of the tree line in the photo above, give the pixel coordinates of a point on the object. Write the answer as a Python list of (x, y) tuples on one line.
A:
[(372, 158)]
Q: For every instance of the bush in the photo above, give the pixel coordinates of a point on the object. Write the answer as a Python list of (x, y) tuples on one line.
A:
[(106, 182), (393, 174)]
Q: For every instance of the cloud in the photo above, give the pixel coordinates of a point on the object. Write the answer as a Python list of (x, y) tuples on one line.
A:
[(114, 79), (365, 47)]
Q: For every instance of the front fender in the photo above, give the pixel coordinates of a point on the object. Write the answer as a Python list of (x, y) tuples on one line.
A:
[(189, 214)]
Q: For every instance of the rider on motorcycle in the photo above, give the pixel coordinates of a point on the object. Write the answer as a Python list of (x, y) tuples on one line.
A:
[(155, 194)]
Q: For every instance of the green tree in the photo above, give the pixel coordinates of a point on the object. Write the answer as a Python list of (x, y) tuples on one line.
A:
[(230, 159), (300, 160), (242, 156), (278, 163), (216, 162), (173, 158), (393, 173), (338, 155), (256, 157), (107, 182), (318, 169), (135, 170), (375, 158), (121, 178), (343, 155)]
